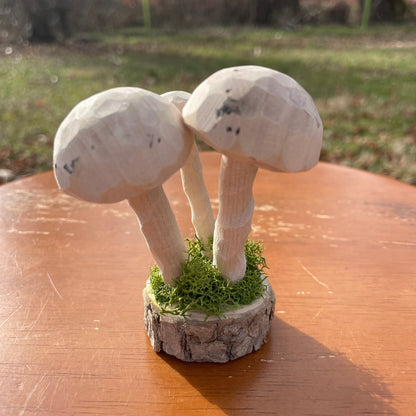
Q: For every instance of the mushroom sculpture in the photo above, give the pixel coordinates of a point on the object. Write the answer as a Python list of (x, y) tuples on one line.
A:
[(257, 118), (193, 183), (123, 143)]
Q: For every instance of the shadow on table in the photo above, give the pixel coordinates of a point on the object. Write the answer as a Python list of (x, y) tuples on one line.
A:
[(298, 376)]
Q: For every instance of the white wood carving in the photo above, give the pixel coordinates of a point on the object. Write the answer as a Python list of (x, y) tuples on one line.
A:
[(193, 183), (123, 143), (257, 118)]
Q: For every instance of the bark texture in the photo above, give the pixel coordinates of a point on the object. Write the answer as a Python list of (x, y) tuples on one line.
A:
[(195, 339)]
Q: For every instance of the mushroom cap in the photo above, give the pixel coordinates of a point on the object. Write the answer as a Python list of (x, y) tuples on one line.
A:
[(119, 143), (257, 115), (178, 98)]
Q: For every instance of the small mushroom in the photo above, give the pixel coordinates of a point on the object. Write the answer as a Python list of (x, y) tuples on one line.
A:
[(193, 183), (123, 143), (256, 117)]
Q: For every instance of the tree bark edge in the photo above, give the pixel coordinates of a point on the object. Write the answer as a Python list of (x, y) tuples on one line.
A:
[(196, 339)]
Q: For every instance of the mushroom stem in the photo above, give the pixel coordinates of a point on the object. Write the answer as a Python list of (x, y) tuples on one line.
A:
[(197, 194), (161, 232), (193, 184), (233, 225)]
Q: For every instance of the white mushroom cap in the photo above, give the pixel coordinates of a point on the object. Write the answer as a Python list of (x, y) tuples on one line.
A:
[(257, 115), (178, 98), (119, 143)]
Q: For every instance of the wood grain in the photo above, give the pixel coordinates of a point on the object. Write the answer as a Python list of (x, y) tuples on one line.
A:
[(340, 245)]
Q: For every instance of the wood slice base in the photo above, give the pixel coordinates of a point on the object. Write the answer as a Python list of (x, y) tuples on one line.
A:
[(194, 339)]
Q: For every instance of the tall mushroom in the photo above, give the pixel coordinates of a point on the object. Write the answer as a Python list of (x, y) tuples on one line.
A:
[(256, 117), (123, 143), (193, 183)]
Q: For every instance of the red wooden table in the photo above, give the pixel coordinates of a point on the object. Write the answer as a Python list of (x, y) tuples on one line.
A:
[(341, 247)]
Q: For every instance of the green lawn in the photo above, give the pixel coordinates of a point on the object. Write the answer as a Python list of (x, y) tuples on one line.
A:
[(364, 84)]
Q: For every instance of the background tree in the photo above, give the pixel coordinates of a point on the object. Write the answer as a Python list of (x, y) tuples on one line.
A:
[(382, 11), (48, 19), (264, 11), (271, 11)]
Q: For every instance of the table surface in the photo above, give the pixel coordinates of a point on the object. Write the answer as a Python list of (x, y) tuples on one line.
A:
[(340, 244)]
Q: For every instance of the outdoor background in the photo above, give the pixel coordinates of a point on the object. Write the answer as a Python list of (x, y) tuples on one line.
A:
[(359, 67)]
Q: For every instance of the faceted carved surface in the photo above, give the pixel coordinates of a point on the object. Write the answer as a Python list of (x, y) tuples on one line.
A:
[(178, 98), (119, 142), (123, 143), (195, 339), (258, 115)]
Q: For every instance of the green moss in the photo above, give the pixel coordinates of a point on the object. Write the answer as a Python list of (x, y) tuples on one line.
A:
[(202, 287)]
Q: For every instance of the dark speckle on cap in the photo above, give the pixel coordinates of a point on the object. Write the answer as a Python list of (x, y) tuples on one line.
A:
[(229, 106), (70, 169)]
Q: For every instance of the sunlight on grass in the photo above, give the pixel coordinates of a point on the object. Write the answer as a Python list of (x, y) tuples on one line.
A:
[(363, 84)]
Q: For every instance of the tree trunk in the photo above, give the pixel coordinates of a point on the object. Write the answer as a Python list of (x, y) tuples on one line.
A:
[(386, 10), (41, 28), (62, 10), (41, 14), (264, 11), (268, 10)]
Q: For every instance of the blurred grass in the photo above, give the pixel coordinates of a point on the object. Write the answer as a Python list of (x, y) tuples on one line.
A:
[(364, 84)]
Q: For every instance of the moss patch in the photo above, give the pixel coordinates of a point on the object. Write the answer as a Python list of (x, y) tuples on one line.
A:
[(202, 287)]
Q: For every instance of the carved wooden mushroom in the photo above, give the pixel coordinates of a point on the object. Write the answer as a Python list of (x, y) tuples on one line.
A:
[(123, 143), (256, 117), (193, 182)]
